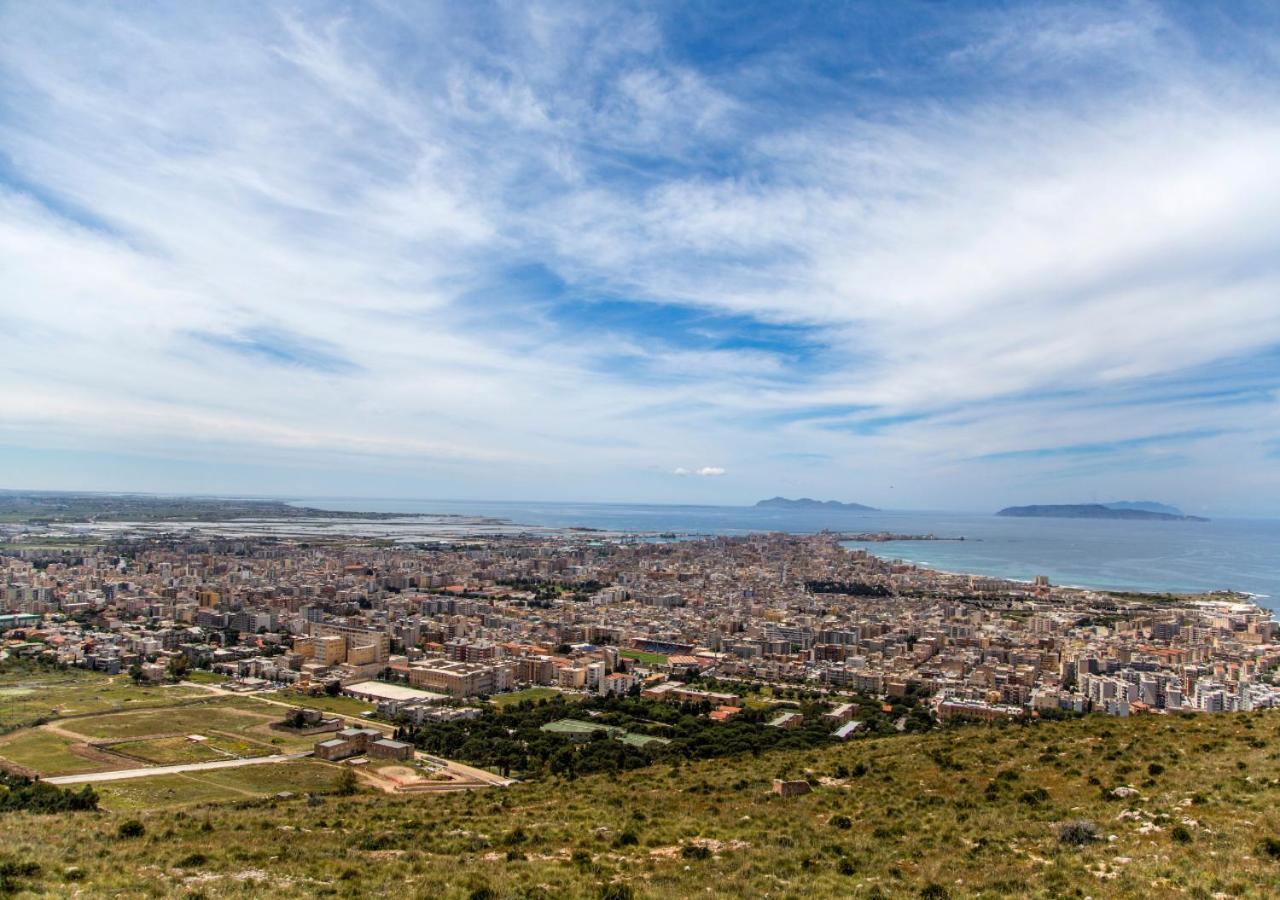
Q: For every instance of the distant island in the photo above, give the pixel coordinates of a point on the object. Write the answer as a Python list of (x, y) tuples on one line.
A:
[(1146, 505), (1093, 511), (808, 503)]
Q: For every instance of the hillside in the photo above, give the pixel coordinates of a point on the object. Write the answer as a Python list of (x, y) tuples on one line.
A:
[(972, 811)]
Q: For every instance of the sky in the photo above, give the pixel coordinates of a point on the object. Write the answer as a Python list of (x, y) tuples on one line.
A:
[(909, 254)]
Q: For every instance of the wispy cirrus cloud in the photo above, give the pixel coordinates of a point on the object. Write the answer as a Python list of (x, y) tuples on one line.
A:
[(596, 242)]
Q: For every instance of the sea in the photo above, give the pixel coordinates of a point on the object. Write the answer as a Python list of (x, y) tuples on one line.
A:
[(1222, 554)]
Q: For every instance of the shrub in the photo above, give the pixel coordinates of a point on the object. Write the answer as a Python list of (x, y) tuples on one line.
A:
[(1180, 834), (1270, 847), (1155, 769), (1078, 833), (616, 892), (131, 828), (695, 851), (191, 860), (627, 838), (1034, 797), (347, 784), (934, 891), (844, 823)]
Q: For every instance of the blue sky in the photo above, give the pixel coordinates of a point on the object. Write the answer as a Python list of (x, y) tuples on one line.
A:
[(916, 255)]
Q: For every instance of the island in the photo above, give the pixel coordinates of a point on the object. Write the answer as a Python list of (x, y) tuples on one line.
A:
[(808, 503), (1148, 505), (1091, 511)]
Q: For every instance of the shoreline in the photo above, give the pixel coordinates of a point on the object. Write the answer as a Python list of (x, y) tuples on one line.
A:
[(1188, 595)]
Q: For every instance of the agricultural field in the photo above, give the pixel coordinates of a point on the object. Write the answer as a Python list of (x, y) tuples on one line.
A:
[(30, 695), (1166, 806)]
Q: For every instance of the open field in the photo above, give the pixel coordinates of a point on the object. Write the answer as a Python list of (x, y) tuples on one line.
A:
[(235, 727), (166, 791), (533, 693), (202, 677), (652, 659), (347, 706), (237, 715), (29, 696), (966, 812), (176, 750), (49, 753)]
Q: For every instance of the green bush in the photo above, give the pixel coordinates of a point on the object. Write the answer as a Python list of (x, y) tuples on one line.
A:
[(131, 828)]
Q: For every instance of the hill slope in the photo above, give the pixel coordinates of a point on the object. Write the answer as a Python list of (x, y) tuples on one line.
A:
[(973, 811)]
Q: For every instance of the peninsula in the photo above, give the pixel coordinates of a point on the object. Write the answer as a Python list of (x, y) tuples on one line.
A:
[(1091, 511), (808, 503)]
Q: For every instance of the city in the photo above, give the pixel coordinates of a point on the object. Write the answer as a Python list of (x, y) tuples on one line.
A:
[(496, 615)]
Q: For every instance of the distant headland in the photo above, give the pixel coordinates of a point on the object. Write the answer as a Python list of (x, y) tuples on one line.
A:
[(808, 503), (1126, 510)]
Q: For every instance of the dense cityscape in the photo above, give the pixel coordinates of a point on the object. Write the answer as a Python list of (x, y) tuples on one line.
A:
[(460, 621)]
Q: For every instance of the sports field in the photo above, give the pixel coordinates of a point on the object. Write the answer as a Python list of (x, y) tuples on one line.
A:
[(652, 659)]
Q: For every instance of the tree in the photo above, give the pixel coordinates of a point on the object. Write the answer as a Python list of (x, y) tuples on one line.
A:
[(135, 672), (178, 667), (347, 783), (333, 688)]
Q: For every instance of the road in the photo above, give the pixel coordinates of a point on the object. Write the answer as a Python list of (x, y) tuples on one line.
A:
[(174, 770)]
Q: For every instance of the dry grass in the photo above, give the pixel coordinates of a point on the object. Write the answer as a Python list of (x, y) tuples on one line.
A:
[(969, 812)]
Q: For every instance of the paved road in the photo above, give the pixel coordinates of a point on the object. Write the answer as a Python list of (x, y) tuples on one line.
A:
[(173, 770)]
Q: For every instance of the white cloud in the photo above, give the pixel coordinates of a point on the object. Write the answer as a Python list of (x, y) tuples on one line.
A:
[(967, 265)]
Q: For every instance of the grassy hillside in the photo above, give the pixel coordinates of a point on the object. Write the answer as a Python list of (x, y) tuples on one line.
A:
[(967, 812)]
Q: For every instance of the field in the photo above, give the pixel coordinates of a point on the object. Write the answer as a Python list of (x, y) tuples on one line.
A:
[(234, 727), (533, 693), (346, 706), (201, 677), (218, 785), (177, 750), (1156, 807), (651, 659), (48, 753), (237, 715), (30, 695)]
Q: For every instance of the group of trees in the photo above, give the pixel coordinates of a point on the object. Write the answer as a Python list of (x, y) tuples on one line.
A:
[(512, 740), (18, 793)]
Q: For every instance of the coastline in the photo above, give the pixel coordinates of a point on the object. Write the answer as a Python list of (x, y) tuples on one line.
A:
[(1189, 596)]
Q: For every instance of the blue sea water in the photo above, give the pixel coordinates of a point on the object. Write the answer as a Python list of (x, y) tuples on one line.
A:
[(1235, 554)]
